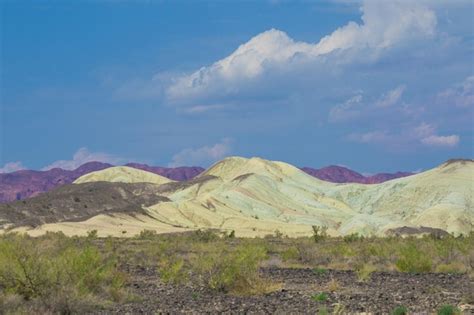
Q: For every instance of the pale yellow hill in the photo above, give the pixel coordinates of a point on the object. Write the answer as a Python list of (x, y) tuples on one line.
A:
[(255, 194), (123, 174)]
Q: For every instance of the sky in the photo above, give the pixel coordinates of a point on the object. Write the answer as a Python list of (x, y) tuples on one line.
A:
[(372, 85)]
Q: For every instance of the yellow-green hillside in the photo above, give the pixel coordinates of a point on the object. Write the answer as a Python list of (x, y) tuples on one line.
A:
[(257, 197), (250, 195), (123, 174)]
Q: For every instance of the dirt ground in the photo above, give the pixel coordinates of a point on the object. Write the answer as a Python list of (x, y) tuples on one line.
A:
[(380, 294)]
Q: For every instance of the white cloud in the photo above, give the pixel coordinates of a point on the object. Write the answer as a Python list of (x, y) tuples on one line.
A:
[(347, 110), (12, 167), (384, 24), (422, 134), (83, 155), (427, 135), (391, 97), (441, 141), (203, 155), (461, 95)]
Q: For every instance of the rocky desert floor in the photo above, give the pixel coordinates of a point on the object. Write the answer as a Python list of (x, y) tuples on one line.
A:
[(380, 294)]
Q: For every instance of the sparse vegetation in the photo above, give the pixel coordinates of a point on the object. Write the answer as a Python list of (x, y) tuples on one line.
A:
[(448, 310), (363, 272), (320, 297), (235, 271), (320, 271), (55, 273), (412, 259), (319, 233), (399, 310)]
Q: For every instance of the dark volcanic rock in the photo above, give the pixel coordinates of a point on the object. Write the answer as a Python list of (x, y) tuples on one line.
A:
[(380, 294), (78, 202), (27, 183)]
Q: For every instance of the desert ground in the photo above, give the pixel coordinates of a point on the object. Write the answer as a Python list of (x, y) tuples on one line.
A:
[(212, 272)]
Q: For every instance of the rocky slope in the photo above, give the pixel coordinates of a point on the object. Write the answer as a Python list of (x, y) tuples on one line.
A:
[(79, 203)]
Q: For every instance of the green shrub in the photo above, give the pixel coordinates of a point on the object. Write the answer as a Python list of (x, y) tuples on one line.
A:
[(354, 237), (448, 310), (231, 234), (320, 297), (205, 236), (319, 233), (290, 253), (172, 270), (147, 234), (92, 234), (215, 267), (363, 272), (319, 271), (235, 272), (323, 311), (57, 275), (413, 260), (399, 310)]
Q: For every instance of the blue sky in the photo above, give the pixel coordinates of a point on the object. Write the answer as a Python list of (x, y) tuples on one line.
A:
[(373, 85)]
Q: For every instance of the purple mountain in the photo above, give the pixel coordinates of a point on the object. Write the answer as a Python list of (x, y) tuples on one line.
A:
[(340, 174), (27, 183), (174, 173)]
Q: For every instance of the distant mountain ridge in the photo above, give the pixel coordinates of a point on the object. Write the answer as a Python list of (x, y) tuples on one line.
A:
[(341, 174), (24, 184)]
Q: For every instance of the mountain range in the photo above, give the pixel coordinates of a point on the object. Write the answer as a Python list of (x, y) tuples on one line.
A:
[(24, 184), (253, 197)]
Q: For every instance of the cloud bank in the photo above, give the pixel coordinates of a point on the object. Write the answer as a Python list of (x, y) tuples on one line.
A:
[(384, 25)]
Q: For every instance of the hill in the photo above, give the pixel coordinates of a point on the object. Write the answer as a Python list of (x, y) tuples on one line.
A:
[(122, 174), (257, 197), (24, 184)]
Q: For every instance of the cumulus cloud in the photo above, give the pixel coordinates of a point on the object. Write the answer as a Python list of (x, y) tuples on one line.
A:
[(384, 25), (203, 155), (391, 98), (461, 95), (83, 155), (12, 167)]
